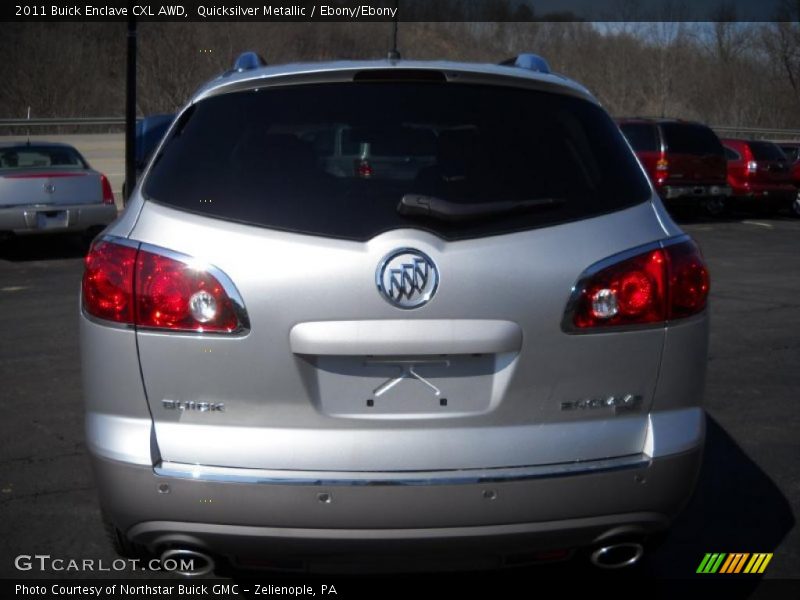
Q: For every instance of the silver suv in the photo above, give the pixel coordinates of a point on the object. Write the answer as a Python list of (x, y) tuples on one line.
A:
[(500, 358)]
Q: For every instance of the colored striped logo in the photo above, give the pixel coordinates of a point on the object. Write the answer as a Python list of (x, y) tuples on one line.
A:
[(737, 562)]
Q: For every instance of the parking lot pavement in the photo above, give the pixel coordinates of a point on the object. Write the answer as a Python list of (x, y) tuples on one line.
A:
[(748, 490)]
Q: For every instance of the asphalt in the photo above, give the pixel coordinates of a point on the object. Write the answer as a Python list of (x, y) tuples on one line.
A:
[(748, 492)]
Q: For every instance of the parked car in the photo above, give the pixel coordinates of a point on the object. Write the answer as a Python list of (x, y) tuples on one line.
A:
[(149, 132), (792, 152), (684, 160), (499, 359), (49, 187), (759, 175), (373, 151)]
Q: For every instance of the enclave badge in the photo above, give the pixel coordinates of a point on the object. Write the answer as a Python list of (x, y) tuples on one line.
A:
[(191, 405)]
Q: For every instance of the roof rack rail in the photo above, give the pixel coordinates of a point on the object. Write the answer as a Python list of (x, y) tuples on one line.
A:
[(527, 60), (248, 61)]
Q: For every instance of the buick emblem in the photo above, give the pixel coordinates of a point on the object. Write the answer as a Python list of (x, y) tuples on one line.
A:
[(49, 188), (407, 278)]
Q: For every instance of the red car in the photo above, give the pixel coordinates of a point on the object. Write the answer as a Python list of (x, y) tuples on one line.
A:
[(792, 152), (685, 161), (759, 174)]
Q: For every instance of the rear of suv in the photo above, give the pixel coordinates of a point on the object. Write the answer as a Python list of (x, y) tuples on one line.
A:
[(759, 175), (792, 152), (684, 160), (501, 355)]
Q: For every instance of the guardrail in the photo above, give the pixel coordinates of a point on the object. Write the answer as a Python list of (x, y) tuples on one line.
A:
[(787, 135), (59, 122), (782, 135)]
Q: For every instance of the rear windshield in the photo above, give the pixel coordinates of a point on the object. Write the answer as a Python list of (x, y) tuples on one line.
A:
[(685, 138), (336, 159), (766, 151), (33, 157), (731, 154), (642, 136), (791, 152)]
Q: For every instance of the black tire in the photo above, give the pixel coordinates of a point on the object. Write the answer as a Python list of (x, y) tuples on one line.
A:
[(715, 206), (121, 545)]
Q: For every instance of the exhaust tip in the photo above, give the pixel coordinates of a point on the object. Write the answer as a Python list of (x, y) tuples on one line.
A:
[(617, 556), (187, 562)]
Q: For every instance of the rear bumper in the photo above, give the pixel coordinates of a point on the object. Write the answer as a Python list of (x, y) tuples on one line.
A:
[(241, 513), (774, 193), (32, 219), (688, 193)]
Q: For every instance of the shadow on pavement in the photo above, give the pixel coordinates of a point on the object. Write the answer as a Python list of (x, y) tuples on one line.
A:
[(44, 247), (736, 507), (735, 215)]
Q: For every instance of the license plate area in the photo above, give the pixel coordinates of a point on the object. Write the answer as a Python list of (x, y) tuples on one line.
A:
[(407, 386), (52, 219)]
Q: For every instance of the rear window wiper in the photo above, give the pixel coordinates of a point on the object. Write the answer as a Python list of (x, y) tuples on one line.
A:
[(439, 208)]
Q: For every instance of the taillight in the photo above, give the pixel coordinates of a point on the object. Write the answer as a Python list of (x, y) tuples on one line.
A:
[(752, 166), (688, 280), (662, 170), (363, 169), (108, 194), (158, 290), (654, 286), (171, 294), (108, 282)]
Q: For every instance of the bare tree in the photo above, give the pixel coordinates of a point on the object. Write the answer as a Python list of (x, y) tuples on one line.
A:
[(781, 41), (722, 72)]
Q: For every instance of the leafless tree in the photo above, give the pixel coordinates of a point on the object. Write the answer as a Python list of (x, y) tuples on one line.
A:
[(723, 72)]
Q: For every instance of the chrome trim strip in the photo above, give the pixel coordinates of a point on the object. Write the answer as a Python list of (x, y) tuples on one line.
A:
[(460, 477), (119, 241)]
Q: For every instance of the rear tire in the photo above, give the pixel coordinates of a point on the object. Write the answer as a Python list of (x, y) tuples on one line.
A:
[(716, 206), (121, 545)]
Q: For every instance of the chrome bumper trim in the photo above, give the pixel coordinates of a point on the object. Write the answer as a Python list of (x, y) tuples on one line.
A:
[(450, 477)]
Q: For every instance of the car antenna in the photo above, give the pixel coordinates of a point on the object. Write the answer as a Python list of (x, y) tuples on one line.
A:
[(394, 53), (29, 126)]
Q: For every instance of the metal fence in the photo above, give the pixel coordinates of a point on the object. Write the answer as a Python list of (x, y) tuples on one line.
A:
[(64, 125), (754, 133), (59, 125)]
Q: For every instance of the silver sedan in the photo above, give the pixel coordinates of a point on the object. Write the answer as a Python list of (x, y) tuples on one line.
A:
[(48, 188)]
